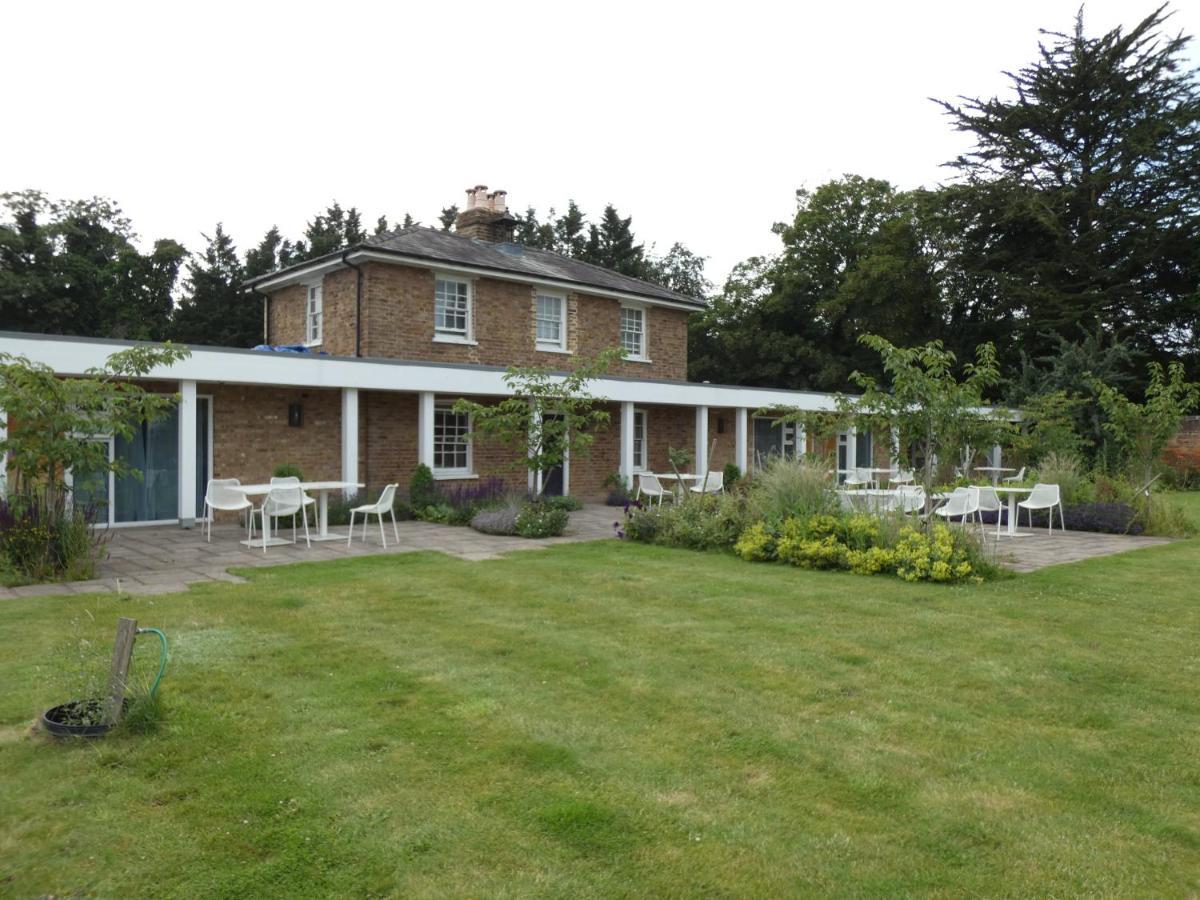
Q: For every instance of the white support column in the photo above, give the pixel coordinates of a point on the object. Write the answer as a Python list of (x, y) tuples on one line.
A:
[(535, 475), (187, 454), (425, 428), (741, 424), (3, 456), (895, 449), (701, 440), (997, 455), (851, 449), (350, 438), (627, 444)]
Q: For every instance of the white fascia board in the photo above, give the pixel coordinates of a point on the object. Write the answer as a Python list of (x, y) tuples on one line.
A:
[(74, 356), (298, 276)]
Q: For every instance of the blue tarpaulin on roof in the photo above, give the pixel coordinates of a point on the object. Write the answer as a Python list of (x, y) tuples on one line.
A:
[(289, 348)]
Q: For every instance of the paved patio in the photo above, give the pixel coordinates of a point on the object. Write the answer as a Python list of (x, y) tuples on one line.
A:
[(1035, 548), (162, 559)]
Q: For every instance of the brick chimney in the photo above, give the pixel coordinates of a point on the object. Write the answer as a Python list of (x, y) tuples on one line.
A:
[(486, 217)]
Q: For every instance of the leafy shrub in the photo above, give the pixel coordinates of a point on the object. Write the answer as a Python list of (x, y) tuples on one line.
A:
[(287, 470), (1065, 471), (705, 522), (941, 554), (41, 542), (867, 545), (570, 504), (758, 543), (872, 561), (465, 499), (618, 490), (497, 519), (537, 520), (791, 487), (422, 489), (731, 476)]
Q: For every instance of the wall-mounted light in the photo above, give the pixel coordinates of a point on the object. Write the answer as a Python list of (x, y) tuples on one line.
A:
[(720, 424), (296, 415)]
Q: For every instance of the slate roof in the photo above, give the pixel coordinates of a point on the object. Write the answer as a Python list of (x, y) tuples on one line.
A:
[(446, 247)]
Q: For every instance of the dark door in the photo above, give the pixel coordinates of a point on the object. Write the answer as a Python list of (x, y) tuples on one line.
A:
[(552, 478)]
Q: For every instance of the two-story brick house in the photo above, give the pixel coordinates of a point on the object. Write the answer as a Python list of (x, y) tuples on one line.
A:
[(396, 329)]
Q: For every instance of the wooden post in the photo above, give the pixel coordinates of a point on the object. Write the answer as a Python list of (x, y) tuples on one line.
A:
[(119, 673)]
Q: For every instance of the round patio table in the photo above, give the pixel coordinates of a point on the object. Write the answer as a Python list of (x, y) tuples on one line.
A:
[(320, 488), (995, 471), (1012, 492)]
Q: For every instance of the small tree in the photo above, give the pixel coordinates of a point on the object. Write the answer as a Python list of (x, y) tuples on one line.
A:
[(52, 421), (927, 402), (1142, 430), (549, 416)]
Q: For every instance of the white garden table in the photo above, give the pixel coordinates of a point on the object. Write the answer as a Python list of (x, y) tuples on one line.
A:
[(996, 471), (321, 488), (1012, 492)]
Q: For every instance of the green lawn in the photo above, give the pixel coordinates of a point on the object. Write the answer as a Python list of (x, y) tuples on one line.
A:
[(610, 719)]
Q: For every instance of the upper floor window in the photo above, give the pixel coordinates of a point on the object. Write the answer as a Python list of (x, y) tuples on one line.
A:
[(633, 332), (549, 322), (451, 450), (452, 308), (312, 318)]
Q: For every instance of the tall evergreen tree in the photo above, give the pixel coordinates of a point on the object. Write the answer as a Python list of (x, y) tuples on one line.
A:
[(570, 232), (72, 268), (1082, 193), (447, 217), (612, 244), (214, 309)]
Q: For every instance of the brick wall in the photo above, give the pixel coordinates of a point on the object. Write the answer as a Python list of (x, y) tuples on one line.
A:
[(285, 318), (1183, 450), (397, 323), (251, 435)]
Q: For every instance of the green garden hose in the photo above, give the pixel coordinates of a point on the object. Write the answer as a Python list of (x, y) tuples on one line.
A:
[(162, 662)]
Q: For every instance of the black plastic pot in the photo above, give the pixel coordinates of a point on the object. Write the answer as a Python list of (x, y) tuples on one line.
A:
[(61, 721)]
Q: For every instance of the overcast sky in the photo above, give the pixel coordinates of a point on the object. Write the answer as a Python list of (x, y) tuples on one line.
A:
[(700, 122)]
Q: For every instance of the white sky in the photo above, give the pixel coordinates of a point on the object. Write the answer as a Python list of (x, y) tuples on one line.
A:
[(700, 121)]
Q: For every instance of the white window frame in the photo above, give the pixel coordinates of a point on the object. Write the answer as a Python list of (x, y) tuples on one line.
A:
[(641, 460), (554, 346), (454, 335), (452, 471), (314, 315), (643, 355)]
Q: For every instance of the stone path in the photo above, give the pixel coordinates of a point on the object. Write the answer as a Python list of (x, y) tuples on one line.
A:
[(160, 559), (166, 558)]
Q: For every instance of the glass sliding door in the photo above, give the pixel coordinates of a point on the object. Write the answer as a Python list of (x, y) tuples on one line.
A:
[(91, 491), (153, 451), (203, 450)]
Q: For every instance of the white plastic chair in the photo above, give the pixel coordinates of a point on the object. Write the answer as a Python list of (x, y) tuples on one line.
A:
[(649, 485), (1020, 476), (293, 481), (1044, 496), (715, 484), (283, 501), (963, 504), (901, 476), (858, 478), (384, 504), (218, 495), (910, 498), (989, 501)]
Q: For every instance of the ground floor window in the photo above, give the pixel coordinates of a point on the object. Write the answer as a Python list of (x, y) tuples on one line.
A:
[(639, 441), (774, 438), (451, 447)]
